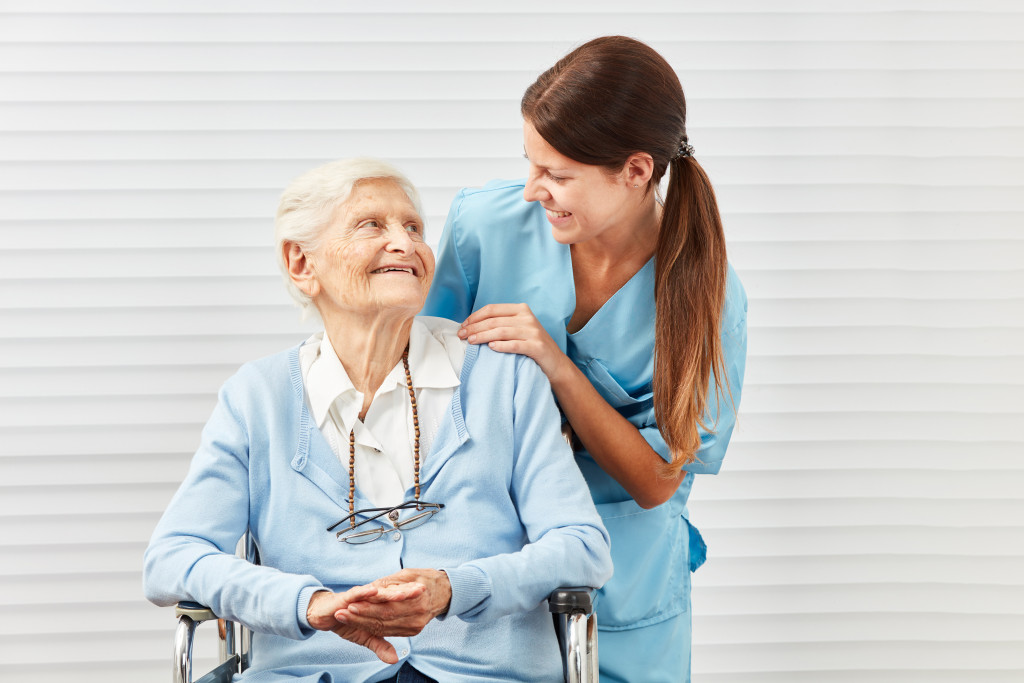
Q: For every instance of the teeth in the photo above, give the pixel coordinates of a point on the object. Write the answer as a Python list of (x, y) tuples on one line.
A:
[(394, 270), (559, 214)]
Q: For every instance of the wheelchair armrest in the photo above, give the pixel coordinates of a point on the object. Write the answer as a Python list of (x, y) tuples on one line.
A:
[(574, 600), (198, 613)]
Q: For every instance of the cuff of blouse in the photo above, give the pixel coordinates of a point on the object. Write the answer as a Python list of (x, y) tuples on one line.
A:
[(470, 588)]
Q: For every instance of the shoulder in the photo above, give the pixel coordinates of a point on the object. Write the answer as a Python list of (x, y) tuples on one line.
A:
[(735, 313), (478, 360), (505, 369), (494, 192), (499, 201), (265, 381)]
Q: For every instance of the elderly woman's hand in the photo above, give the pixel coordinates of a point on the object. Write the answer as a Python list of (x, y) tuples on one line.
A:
[(399, 616), (324, 604)]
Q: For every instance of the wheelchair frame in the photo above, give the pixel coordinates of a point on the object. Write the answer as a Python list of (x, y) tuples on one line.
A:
[(571, 608)]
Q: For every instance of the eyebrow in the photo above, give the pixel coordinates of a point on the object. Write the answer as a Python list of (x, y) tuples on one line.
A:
[(542, 167), (380, 212)]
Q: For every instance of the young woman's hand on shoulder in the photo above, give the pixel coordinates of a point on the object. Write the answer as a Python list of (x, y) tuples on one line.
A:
[(513, 328)]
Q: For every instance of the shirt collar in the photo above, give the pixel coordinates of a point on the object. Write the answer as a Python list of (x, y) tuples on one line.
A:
[(429, 362), (327, 383)]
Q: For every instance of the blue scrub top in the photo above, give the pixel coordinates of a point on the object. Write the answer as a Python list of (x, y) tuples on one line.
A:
[(498, 248)]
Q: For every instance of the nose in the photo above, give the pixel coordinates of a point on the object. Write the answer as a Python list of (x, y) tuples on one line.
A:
[(534, 190), (399, 241)]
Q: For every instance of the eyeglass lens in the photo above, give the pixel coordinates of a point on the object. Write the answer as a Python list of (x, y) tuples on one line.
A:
[(416, 520), (373, 534)]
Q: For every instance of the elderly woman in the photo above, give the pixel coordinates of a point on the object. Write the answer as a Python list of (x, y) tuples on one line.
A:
[(411, 496)]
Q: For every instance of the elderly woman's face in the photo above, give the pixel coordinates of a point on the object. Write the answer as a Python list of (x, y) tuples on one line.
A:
[(372, 255)]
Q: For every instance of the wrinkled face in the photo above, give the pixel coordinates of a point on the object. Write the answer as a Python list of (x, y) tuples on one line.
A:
[(582, 201), (372, 257)]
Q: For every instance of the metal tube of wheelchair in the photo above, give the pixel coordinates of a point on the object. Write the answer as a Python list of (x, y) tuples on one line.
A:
[(226, 638), (592, 646), (581, 666), (183, 635), (246, 649)]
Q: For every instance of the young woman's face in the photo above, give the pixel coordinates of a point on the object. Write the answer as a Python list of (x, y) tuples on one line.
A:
[(582, 201)]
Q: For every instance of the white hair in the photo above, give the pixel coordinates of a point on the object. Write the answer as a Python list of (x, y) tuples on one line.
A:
[(309, 202)]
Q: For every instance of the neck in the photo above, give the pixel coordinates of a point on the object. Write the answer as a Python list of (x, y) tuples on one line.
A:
[(368, 349), (632, 241)]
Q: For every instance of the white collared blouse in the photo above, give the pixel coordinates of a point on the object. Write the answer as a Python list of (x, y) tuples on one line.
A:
[(384, 438)]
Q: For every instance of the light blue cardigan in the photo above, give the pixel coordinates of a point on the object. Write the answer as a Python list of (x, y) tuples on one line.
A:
[(518, 522)]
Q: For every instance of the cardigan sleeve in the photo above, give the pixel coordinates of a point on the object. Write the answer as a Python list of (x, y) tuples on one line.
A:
[(567, 542), (191, 554)]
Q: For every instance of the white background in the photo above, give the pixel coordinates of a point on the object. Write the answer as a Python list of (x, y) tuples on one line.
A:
[(868, 524)]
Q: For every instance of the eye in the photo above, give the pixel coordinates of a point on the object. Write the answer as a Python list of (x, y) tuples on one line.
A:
[(415, 228), (556, 178), (370, 225)]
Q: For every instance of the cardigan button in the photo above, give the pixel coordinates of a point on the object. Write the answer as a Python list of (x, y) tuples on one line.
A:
[(396, 536)]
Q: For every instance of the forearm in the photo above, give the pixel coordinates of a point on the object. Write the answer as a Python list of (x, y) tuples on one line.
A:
[(191, 554), (509, 583), (263, 598), (615, 444)]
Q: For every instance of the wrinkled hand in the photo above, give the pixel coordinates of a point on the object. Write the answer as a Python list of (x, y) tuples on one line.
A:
[(323, 606), (513, 328), (399, 616)]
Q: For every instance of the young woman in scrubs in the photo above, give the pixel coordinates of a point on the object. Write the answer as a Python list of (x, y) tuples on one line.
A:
[(629, 306)]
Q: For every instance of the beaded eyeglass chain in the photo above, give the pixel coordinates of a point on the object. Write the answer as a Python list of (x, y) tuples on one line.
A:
[(415, 447)]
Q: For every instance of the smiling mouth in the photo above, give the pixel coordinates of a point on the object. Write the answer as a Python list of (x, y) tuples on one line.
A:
[(393, 269), (558, 214)]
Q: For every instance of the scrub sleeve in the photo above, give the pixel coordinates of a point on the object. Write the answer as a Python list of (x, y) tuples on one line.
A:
[(497, 248)]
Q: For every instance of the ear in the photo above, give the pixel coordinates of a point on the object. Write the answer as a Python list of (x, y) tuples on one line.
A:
[(638, 169), (300, 269)]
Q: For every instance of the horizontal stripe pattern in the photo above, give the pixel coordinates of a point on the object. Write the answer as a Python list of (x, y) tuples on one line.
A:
[(869, 163)]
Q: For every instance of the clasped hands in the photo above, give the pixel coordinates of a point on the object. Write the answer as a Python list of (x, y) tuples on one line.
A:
[(401, 604)]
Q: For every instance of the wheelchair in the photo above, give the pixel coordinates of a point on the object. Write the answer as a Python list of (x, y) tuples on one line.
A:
[(572, 610)]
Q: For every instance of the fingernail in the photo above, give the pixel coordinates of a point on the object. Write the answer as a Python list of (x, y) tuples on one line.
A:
[(472, 339), (462, 333), (353, 609), (340, 619)]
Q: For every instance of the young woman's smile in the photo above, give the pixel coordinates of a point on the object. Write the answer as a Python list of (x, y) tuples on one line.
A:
[(581, 201)]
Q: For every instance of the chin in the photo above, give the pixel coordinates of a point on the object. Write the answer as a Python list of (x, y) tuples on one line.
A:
[(565, 236), (404, 303)]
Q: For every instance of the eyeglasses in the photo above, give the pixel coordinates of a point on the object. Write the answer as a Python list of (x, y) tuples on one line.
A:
[(350, 535)]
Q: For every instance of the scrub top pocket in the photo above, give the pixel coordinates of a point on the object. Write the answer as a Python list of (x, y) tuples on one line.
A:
[(650, 550)]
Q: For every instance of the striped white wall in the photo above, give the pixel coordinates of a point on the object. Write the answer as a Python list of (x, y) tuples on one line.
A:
[(869, 159)]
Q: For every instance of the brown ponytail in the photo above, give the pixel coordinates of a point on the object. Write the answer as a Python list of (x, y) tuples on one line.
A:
[(689, 295), (601, 103)]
